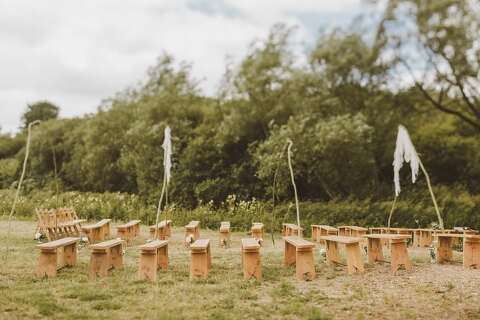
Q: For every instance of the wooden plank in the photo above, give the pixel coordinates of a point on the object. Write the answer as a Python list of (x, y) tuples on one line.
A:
[(387, 236), (342, 239), (58, 243), (299, 242), (154, 245), (250, 244), (106, 244)]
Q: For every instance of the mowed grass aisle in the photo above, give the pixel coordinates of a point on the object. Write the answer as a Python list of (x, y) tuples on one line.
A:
[(431, 291)]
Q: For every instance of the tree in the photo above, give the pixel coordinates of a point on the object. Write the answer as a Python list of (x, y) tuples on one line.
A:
[(439, 51), (41, 110)]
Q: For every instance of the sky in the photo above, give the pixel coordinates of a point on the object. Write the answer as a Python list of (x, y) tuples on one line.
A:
[(76, 53)]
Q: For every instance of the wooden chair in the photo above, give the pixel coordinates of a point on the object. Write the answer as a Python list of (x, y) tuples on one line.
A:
[(299, 252), (225, 234), (192, 232), (252, 267), (352, 246), (201, 259), (398, 250), (164, 230), (322, 230), (153, 256), (55, 255), (58, 223), (105, 256), (257, 232), (129, 231), (98, 231)]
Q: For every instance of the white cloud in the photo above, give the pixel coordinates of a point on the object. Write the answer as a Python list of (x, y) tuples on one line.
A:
[(76, 53)]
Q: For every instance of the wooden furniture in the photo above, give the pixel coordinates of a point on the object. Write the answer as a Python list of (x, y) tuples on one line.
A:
[(398, 250), (201, 259), (257, 231), (290, 229), (105, 256), (322, 230), (252, 267), (153, 256), (192, 232), (129, 231), (352, 231), (164, 230), (471, 248), (423, 237), (98, 231), (225, 234), (299, 252), (352, 246), (56, 255), (58, 223)]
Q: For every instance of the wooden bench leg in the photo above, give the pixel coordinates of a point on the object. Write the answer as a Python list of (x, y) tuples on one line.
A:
[(399, 255), (199, 265), (99, 264), (252, 266), (332, 253), (444, 250), (471, 253), (162, 255), (47, 264), (147, 269), (305, 267), (116, 256), (354, 258), (289, 254), (375, 250), (70, 255)]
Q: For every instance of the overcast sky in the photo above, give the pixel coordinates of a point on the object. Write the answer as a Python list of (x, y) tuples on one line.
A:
[(76, 53)]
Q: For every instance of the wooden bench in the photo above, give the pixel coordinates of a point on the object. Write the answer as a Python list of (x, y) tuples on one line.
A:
[(201, 259), (129, 231), (290, 229), (423, 237), (105, 256), (98, 231), (225, 234), (352, 231), (299, 251), (192, 232), (471, 248), (153, 256), (257, 232), (164, 230), (58, 223), (252, 267), (398, 250), (55, 255), (352, 246), (322, 230)]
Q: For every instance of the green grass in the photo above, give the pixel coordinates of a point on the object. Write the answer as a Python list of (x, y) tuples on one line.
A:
[(429, 291)]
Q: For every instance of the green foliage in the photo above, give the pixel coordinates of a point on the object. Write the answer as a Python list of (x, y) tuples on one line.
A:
[(41, 110)]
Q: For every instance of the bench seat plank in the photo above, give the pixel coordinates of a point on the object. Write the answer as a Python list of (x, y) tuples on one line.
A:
[(387, 236), (106, 244), (250, 243), (342, 239), (299, 242), (58, 243), (154, 245)]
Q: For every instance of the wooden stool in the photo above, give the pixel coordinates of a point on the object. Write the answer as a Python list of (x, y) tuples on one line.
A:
[(352, 246), (471, 251), (252, 267), (153, 256), (225, 234), (105, 256), (192, 232), (56, 255), (129, 231), (299, 251), (201, 259)]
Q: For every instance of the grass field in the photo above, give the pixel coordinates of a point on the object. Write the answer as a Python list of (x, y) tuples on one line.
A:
[(431, 291)]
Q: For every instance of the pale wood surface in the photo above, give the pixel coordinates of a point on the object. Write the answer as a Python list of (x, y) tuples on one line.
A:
[(342, 239)]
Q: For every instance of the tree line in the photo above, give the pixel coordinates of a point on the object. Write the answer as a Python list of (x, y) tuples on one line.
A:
[(341, 109)]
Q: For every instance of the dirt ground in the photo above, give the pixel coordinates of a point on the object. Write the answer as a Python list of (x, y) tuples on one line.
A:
[(431, 291)]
